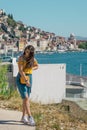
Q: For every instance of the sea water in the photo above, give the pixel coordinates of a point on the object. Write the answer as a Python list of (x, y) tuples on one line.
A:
[(76, 62)]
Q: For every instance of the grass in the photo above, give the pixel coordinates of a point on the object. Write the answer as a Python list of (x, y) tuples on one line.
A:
[(49, 117)]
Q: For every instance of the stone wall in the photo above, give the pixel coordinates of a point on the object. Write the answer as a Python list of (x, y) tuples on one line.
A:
[(74, 109), (11, 80)]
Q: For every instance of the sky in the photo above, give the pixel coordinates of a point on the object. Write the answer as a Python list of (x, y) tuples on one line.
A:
[(61, 17)]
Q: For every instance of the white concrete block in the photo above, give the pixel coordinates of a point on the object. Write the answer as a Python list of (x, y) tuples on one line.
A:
[(48, 83)]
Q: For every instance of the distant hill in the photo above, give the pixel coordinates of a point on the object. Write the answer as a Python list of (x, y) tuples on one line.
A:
[(81, 38)]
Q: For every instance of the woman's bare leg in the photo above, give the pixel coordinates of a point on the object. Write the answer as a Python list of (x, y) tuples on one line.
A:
[(26, 106)]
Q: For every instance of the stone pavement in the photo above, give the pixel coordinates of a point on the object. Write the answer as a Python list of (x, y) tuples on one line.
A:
[(10, 120)]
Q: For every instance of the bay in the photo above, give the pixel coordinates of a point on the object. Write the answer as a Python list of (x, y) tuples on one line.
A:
[(76, 62)]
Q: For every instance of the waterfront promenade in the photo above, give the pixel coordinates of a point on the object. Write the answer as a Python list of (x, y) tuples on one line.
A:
[(10, 120)]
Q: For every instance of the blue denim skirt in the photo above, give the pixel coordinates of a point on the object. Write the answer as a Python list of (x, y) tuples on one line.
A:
[(23, 89)]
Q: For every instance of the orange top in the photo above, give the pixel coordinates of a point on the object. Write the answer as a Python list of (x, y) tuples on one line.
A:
[(22, 61)]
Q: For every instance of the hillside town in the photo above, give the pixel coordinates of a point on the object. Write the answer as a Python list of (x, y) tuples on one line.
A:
[(15, 35)]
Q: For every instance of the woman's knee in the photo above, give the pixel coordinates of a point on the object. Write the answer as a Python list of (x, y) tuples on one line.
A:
[(26, 97)]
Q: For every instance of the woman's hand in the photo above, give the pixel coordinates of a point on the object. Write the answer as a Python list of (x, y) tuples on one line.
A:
[(35, 67), (27, 83)]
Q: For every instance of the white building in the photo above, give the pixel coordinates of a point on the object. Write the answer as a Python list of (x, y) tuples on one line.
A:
[(72, 40), (1, 11), (38, 45), (43, 44)]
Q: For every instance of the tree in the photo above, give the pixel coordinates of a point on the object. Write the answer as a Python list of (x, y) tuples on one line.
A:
[(0, 30), (10, 16), (11, 22), (83, 45), (21, 28)]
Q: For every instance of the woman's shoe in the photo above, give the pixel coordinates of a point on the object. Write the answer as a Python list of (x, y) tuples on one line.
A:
[(24, 120), (31, 121)]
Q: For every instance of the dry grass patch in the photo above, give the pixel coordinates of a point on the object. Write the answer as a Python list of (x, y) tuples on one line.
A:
[(48, 117)]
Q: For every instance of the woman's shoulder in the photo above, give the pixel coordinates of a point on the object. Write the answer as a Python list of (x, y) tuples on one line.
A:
[(21, 58)]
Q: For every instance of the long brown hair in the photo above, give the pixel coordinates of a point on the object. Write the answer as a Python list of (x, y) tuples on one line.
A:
[(30, 58)]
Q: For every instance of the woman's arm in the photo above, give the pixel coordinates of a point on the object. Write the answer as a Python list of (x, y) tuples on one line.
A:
[(35, 67), (21, 71), (20, 66)]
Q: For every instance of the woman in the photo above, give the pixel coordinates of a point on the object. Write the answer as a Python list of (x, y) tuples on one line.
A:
[(26, 64)]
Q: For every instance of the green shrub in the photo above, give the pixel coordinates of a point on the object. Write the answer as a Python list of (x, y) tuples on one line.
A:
[(5, 90), (3, 79)]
